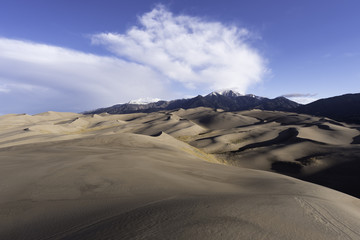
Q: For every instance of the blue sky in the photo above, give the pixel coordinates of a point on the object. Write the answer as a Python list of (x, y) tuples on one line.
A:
[(80, 55)]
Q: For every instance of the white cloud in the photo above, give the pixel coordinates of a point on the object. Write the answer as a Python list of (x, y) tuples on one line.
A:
[(303, 98), (64, 79), (200, 55), (161, 57), (4, 89)]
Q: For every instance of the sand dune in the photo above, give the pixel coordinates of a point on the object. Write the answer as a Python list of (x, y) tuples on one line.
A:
[(166, 175)]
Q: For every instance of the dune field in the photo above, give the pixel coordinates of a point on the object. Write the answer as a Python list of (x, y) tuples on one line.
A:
[(184, 174)]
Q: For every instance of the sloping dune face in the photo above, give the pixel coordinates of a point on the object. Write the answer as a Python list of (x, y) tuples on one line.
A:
[(315, 149), (135, 176)]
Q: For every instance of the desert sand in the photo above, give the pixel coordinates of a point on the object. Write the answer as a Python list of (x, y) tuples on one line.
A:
[(185, 174)]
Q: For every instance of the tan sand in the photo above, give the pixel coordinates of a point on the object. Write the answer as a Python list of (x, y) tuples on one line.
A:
[(68, 176)]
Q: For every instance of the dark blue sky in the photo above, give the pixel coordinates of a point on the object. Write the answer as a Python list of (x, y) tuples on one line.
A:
[(310, 47)]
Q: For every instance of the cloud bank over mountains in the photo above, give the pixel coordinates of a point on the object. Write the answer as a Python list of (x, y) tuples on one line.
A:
[(164, 56)]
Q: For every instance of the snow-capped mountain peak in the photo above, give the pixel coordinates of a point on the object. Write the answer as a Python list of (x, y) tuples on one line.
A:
[(144, 100), (226, 93), (253, 96)]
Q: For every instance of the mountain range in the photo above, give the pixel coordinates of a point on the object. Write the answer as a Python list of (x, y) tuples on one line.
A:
[(341, 108)]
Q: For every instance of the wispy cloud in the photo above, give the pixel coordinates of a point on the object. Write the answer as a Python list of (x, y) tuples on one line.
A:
[(161, 56), (327, 55), (302, 98), (292, 95), (191, 51), (351, 54), (4, 89)]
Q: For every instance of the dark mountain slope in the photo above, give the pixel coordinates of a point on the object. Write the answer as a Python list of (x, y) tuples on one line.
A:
[(344, 108)]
